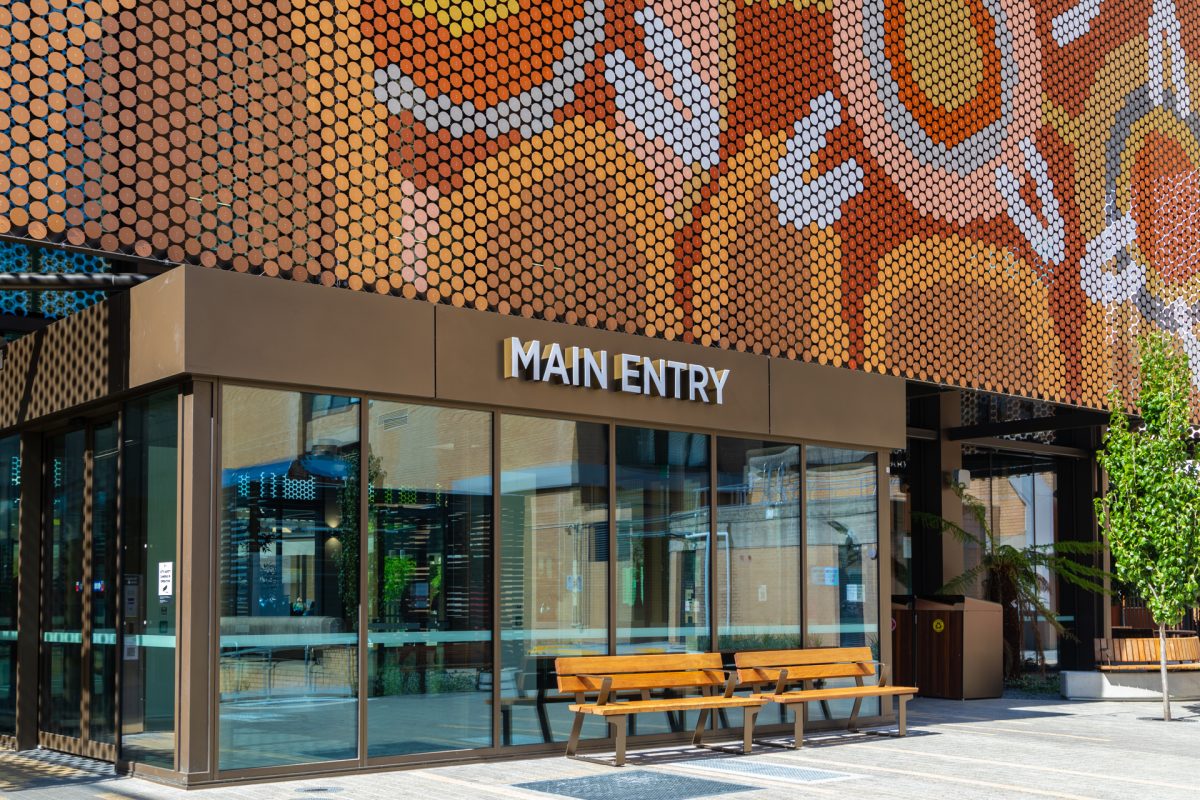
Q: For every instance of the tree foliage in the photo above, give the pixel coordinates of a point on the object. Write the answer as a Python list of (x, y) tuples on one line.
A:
[(1150, 513)]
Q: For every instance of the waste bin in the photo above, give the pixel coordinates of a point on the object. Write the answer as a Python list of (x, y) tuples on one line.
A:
[(959, 647)]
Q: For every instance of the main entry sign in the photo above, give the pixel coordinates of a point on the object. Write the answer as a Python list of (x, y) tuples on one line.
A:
[(622, 372)]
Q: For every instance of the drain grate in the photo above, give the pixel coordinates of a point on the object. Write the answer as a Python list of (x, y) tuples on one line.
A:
[(769, 769), (636, 784)]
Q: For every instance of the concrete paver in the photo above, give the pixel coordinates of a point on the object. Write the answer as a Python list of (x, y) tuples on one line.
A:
[(1009, 748)]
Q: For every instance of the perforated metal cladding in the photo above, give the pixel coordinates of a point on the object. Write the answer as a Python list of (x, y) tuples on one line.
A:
[(989, 193)]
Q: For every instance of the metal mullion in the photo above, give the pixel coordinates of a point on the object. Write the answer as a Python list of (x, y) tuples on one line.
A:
[(45, 533), (612, 539), (713, 551), (804, 582), (118, 580), (85, 651), (714, 644), (883, 559), (364, 536), (217, 407), (497, 666)]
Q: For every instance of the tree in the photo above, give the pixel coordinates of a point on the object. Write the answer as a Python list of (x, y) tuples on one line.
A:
[(1016, 577), (1150, 514)]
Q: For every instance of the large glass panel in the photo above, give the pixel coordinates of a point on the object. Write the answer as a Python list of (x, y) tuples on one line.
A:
[(289, 573), (150, 509), (1019, 494), (10, 497), (429, 579), (842, 515), (662, 541), (900, 497), (663, 498), (759, 584), (553, 568), (63, 585), (102, 702)]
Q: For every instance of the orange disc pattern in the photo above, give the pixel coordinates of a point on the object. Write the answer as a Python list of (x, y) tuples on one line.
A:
[(995, 194)]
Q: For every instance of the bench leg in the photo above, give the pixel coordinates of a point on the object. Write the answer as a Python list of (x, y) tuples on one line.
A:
[(799, 741), (902, 716), (700, 726), (543, 718), (620, 723), (506, 724), (853, 725), (576, 729), (749, 715)]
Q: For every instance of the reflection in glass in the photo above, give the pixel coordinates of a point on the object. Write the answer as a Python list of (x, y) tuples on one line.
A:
[(10, 497), (759, 584), (842, 516), (553, 568), (289, 572), (899, 495), (662, 541), (102, 702), (149, 496), (63, 585), (662, 563), (1019, 493), (429, 574)]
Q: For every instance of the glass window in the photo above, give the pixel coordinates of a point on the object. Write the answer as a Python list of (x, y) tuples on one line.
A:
[(759, 584), (842, 517), (553, 568), (1019, 494), (103, 699), (662, 541), (429, 576), (10, 505), (289, 573), (150, 509), (899, 495), (63, 586)]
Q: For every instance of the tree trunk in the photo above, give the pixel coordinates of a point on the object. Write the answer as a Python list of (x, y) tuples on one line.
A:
[(1011, 625), (1162, 668)]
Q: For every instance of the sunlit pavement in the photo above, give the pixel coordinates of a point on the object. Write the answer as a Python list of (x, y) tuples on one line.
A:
[(978, 749)]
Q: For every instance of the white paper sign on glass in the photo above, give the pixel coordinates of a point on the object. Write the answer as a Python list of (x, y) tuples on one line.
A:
[(166, 578)]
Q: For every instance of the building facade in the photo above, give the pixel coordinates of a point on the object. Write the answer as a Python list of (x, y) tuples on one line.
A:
[(580, 327)]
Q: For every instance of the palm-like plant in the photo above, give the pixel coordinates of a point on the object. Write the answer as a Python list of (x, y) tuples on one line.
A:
[(1015, 577)]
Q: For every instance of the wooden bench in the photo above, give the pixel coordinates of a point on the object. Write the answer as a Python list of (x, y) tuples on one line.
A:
[(782, 670), (1141, 655), (607, 677)]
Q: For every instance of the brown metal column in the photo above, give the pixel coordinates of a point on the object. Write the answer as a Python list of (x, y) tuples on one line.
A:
[(364, 564), (198, 634), (29, 591)]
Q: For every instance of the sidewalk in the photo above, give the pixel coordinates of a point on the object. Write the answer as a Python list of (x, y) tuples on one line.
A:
[(1006, 748)]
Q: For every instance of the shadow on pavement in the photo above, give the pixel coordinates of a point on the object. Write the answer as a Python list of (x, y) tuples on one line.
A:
[(35, 769)]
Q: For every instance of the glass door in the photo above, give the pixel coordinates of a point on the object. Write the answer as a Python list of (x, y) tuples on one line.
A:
[(103, 582), (78, 625), (63, 586)]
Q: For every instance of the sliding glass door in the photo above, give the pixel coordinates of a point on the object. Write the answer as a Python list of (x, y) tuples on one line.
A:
[(63, 585), (78, 647)]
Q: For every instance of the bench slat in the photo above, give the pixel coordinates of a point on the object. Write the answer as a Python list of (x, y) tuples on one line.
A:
[(641, 680), (802, 657), (671, 704), (1143, 653), (806, 673), (1148, 667), (813, 663), (839, 693), (609, 665)]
